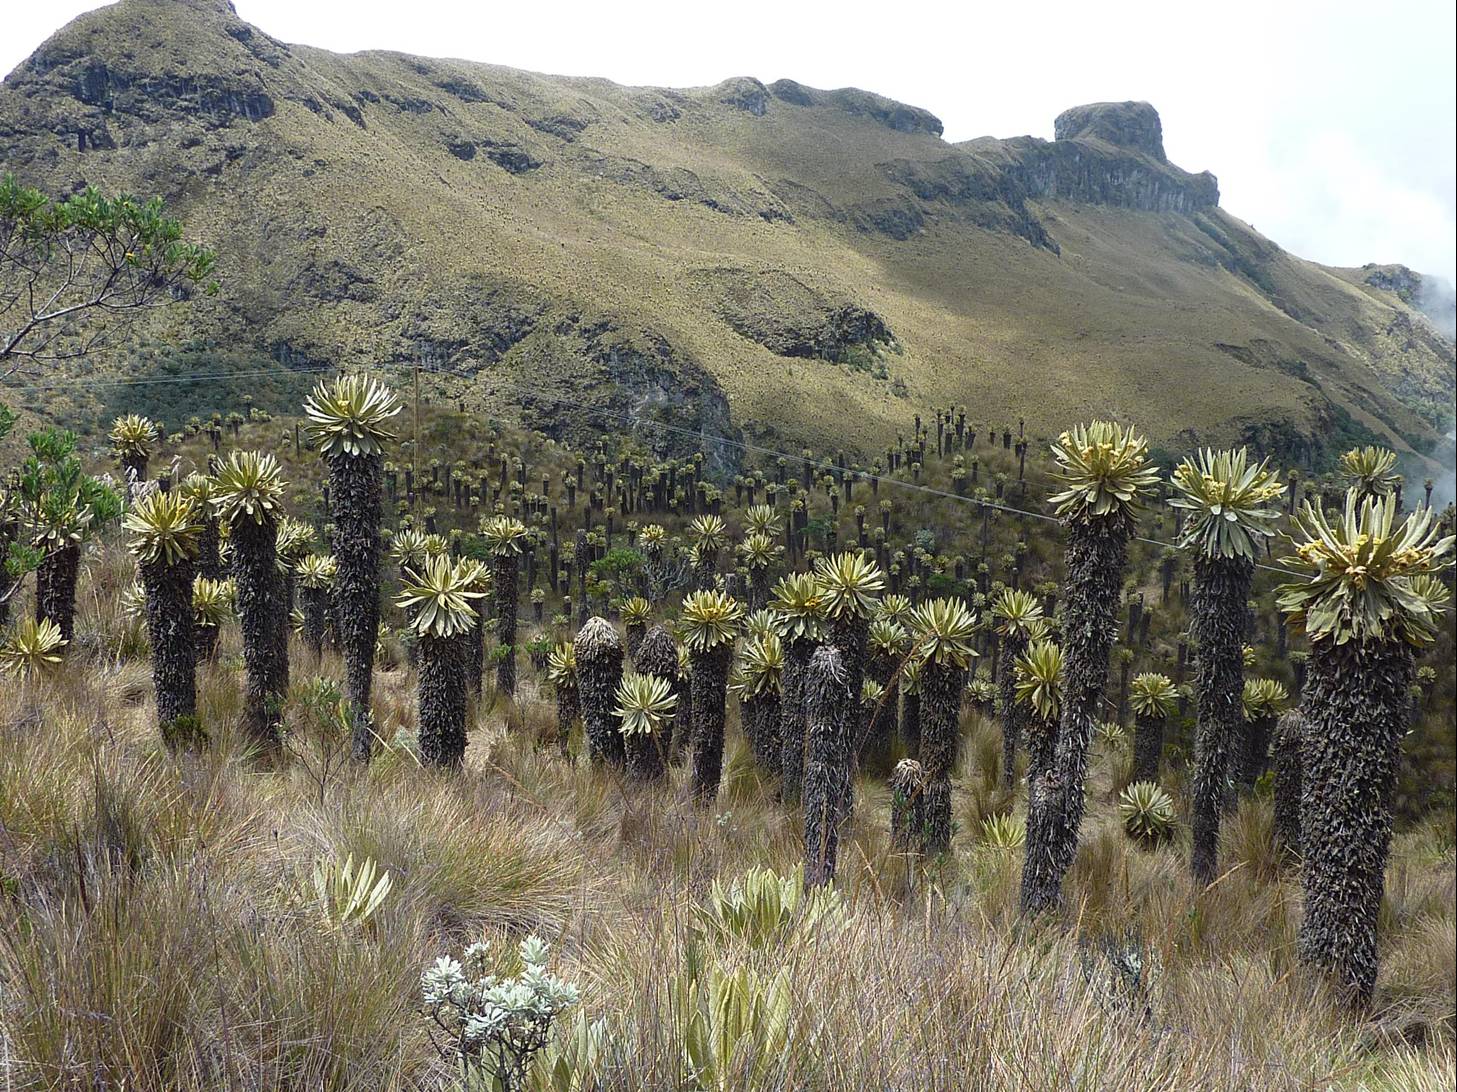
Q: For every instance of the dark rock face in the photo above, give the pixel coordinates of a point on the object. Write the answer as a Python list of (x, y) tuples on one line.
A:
[(790, 318), (1131, 125), (661, 383), (562, 126), (1106, 154), (1400, 281), (630, 380), (852, 100), (745, 93), (1262, 353), (789, 91), (897, 217), (509, 157), (1429, 295), (103, 96), (984, 194), (891, 114), (681, 184), (473, 324), (661, 106), (1069, 169)]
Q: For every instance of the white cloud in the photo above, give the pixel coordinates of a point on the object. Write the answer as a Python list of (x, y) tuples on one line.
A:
[(1331, 125)]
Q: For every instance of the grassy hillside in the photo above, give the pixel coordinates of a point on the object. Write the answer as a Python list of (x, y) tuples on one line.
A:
[(723, 257), (207, 962)]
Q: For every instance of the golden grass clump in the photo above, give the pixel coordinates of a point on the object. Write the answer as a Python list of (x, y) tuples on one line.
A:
[(160, 930)]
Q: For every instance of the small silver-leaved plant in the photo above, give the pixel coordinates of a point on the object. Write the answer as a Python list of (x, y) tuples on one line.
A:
[(494, 1026)]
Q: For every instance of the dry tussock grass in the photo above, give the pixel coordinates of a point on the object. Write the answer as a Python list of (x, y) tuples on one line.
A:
[(156, 931)]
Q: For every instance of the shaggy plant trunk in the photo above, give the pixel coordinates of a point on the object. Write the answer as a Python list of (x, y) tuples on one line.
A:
[(55, 586), (682, 720), (710, 687), (1096, 554), (170, 629), (791, 719), (1041, 747), (1289, 731), (568, 711), (706, 569), (1356, 711), (941, 686), (1014, 713), (645, 758), (907, 805), (763, 711), (749, 724), (442, 694), (1148, 746), (1221, 595), (657, 654), (9, 585), (207, 642), (911, 721), (828, 705), (42, 579), (316, 612), (1255, 751), (758, 589), (355, 500), (260, 616), (475, 653), (599, 671), (633, 636), (503, 583), (848, 634), (209, 550)]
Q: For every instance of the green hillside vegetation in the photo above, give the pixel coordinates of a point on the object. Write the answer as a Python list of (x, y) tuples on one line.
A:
[(700, 254)]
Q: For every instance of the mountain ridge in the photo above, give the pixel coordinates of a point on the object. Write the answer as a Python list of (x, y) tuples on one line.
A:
[(640, 247)]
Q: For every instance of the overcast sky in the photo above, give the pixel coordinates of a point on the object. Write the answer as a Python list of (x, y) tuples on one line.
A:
[(1330, 125)]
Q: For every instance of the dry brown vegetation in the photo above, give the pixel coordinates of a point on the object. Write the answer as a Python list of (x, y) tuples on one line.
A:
[(157, 930)]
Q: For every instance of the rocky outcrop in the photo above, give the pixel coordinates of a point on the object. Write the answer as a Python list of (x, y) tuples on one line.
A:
[(852, 100), (790, 318), (626, 379), (1076, 172), (681, 184), (104, 95), (744, 93), (509, 157), (1405, 284), (897, 217), (469, 325), (1131, 125), (1432, 296), (891, 114), (989, 196), (1103, 154)]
